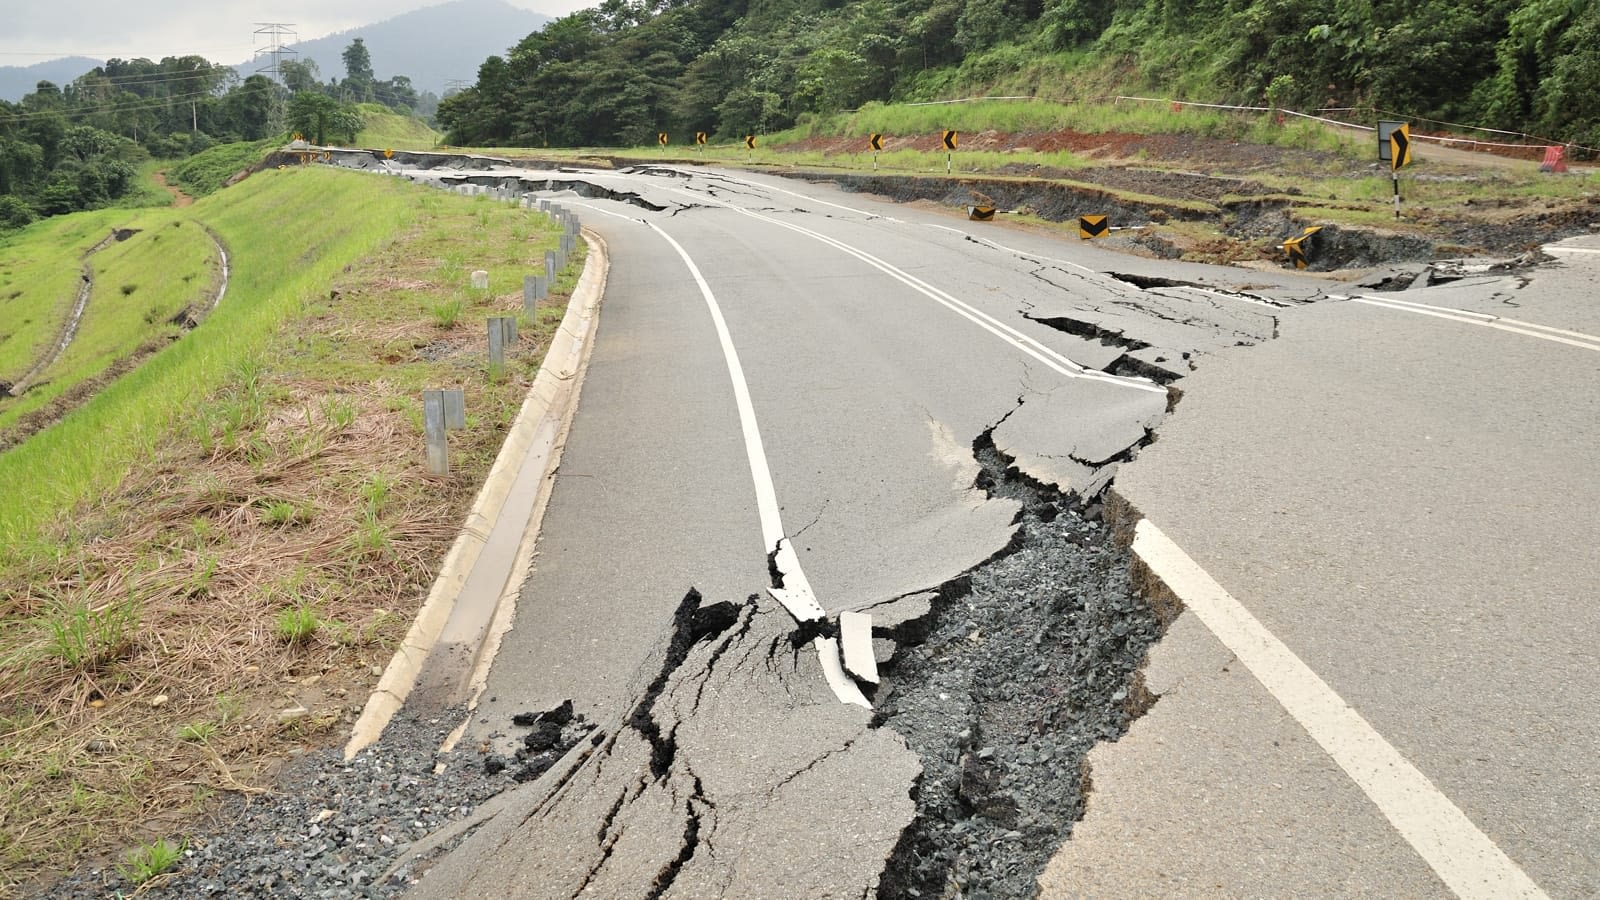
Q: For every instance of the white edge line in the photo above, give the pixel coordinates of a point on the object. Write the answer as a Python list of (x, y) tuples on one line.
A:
[(1467, 317), (1471, 864), (1392, 301), (796, 592), (1039, 351)]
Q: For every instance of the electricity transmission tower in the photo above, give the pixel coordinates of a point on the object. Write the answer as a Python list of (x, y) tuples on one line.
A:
[(277, 36)]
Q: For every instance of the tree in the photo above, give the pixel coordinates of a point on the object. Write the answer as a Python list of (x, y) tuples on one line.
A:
[(320, 118), (299, 75), (358, 77)]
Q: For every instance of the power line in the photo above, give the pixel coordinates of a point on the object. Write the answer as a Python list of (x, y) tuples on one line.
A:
[(144, 104), (275, 33)]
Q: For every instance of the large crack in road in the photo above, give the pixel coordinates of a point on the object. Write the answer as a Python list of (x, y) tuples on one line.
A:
[(1029, 661)]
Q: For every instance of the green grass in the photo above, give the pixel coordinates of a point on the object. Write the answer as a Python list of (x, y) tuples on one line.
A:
[(140, 285), (84, 639), (297, 624), (145, 192), (209, 170), (386, 129), (198, 732), (146, 862), (39, 278), (282, 258)]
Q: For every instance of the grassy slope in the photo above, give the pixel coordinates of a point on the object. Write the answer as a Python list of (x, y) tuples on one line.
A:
[(385, 128), (274, 468), (207, 171), (286, 245), (40, 268), (140, 285)]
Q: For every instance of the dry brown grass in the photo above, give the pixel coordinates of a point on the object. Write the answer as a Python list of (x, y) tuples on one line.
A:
[(304, 490)]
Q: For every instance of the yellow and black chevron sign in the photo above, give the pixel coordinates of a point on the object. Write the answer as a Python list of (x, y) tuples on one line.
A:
[(749, 142), (950, 140), (1399, 147), (661, 138), (700, 137), (980, 213), (1300, 248), (875, 141), (1093, 227)]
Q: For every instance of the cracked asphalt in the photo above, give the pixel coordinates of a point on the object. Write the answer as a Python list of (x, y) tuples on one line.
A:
[(904, 367)]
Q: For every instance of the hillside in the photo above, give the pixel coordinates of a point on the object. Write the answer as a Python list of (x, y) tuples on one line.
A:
[(16, 81), (431, 46), (619, 73)]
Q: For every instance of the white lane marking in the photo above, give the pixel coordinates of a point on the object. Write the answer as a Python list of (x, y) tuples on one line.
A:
[(796, 588), (783, 190), (1468, 317), (614, 215), (1571, 250), (1044, 354), (1471, 864), (1023, 254)]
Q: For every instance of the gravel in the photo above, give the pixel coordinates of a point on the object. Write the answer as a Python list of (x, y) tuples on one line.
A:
[(332, 829)]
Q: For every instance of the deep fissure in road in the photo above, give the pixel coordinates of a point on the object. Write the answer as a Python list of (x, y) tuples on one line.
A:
[(1029, 661)]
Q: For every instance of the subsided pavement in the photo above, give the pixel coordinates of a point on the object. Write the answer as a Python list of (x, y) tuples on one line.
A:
[(1405, 499)]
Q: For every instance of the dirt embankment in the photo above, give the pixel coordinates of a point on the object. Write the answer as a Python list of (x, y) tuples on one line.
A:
[(1215, 200), (179, 198)]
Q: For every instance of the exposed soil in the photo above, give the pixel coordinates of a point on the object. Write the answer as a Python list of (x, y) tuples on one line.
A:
[(179, 198), (1217, 189)]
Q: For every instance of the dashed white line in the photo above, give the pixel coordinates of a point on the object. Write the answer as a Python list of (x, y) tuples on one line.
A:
[(1464, 858)]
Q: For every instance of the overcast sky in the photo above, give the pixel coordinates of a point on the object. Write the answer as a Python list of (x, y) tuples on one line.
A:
[(223, 31)]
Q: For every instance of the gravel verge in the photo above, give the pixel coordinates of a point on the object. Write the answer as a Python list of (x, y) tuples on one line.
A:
[(332, 829)]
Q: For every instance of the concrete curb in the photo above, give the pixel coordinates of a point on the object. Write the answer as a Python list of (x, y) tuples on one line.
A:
[(532, 449)]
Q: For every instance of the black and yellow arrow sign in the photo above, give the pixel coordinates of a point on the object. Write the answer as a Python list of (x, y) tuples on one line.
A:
[(1093, 227), (1400, 146), (1300, 248), (980, 213), (749, 142), (661, 138), (950, 140), (388, 154), (875, 141), (699, 137)]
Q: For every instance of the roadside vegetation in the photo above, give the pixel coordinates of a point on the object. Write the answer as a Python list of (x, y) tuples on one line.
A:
[(383, 128), (618, 73), (203, 567)]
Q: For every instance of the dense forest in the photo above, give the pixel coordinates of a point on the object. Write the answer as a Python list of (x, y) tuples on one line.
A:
[(78, 147), (620, 72)]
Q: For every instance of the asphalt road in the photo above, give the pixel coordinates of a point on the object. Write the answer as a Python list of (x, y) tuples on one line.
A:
[(1404, 499)]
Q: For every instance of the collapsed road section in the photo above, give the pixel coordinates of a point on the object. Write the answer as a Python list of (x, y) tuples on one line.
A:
[(728, 767)]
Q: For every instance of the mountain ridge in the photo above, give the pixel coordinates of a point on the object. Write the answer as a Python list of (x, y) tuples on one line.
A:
[(432, 46)]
